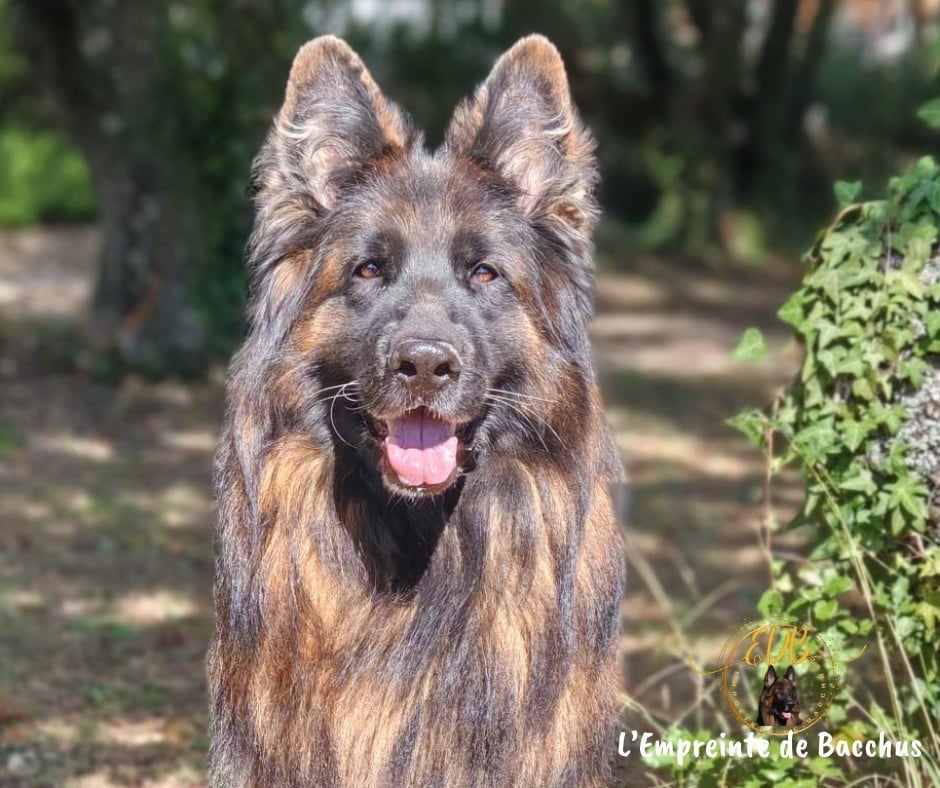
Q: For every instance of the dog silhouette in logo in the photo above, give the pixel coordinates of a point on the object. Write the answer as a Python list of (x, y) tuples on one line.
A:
[(779, 703)]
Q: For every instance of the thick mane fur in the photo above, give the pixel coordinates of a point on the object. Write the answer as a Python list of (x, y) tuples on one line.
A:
[(467, 639)]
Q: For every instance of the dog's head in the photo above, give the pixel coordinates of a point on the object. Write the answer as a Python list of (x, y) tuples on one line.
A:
[(779, 700), (422, 308)]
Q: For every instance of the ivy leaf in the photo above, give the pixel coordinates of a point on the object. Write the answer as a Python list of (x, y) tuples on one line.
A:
[(931, 564), (770, 603), (907, 494), (855, 432), (752, 423), (930, 615), (837, 584), (897, 522), (751, 347), (860, 481), (846, 192), (792, 311), (816, 440), (862, 389), (930, 113), (825, 609), (828, 332), (828, 281), (933, 197)]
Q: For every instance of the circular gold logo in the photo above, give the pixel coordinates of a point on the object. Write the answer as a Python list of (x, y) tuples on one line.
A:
[(777, 676)]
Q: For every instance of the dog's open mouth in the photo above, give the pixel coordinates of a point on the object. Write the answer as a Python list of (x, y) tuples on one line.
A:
[(421, 451)]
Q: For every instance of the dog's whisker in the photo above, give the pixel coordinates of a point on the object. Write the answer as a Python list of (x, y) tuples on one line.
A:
[(530, 418), (527, 411), (348, 385), (521, 396), (341, 390), (333, 422)]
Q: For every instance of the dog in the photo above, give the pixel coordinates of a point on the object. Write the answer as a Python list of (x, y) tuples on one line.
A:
[(418, 570), (779, 703)]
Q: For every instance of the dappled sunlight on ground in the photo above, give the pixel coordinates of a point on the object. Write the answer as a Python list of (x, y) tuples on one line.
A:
[(90, 449), (46, 274), (106, 512), (105, 551), (696, 561)]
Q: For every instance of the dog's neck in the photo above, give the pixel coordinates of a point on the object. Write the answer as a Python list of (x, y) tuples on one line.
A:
[(395, 536)]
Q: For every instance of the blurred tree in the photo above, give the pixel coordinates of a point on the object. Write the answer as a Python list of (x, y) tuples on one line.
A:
[(732, 110), (167, 102), (698, 106)]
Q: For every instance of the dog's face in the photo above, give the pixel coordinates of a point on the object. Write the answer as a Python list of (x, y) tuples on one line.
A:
[(432, 301), (434, 323), (779, 700)]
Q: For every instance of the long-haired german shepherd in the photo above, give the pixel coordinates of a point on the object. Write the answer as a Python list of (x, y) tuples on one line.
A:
[(418, 571)]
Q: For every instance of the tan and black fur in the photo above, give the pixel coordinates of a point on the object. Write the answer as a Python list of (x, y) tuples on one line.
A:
[(779, 703), (371, 634)]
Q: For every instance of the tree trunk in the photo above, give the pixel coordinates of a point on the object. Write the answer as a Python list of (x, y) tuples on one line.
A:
[(97, 60), (805, 78), (721, 49), (700, 15), (648, 42), (772, 96), (773, 67), (141, 311)]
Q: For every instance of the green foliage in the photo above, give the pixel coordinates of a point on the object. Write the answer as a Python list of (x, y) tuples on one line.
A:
[(213, 91), (930, 113), (751, 347), (846, 193), (868, 317), (42, 178)]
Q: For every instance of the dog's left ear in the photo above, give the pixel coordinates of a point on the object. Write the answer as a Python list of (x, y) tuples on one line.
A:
[(790, 675), (770, 677), (521, 125)]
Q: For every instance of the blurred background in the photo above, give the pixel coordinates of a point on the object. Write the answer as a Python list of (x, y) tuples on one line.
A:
[(127, 130)]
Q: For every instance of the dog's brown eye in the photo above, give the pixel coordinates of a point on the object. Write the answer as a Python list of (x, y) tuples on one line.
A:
[(369, 269), (483, 274)]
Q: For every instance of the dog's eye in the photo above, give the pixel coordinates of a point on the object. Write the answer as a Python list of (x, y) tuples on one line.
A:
[(369, 269), (482, 274)]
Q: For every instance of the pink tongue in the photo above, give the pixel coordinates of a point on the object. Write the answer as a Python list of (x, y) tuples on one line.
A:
[(421, 449)]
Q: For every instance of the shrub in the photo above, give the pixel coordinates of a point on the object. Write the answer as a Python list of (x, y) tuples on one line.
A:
[(42, 178), (862, 424)]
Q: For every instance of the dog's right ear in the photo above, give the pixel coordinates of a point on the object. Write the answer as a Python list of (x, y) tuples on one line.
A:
[(770, 677), (334, 122), (334, 126)]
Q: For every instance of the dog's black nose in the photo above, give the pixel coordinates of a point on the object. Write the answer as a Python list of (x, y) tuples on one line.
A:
[(425, 365)]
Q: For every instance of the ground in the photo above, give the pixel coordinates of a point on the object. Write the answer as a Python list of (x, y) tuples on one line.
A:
[(106, 512)]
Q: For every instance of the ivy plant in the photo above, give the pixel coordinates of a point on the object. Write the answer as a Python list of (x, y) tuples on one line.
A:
[(861, 423)]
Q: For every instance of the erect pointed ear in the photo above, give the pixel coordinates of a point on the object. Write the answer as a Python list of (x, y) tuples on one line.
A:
[(790, 675), (770, 677), (334, 127), (334, 122), (521, 125)]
